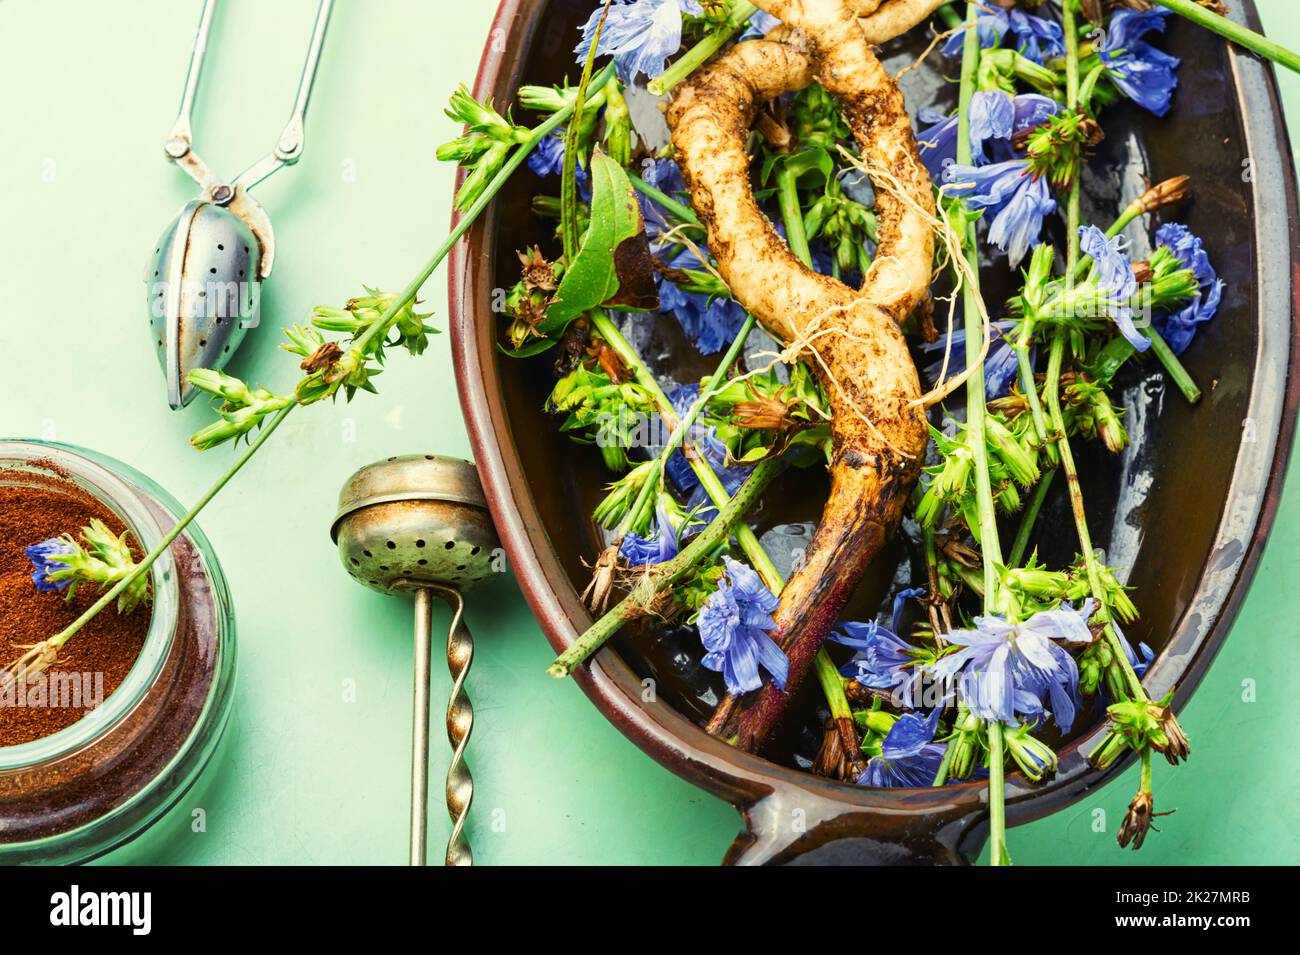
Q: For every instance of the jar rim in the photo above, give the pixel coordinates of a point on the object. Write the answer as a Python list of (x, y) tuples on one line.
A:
[(63, 463)]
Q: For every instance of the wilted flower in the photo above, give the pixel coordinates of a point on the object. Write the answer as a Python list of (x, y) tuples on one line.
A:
[(1000, 365), (885, 661), (996, 120), (909, 757), (662, 542), (1036, 38), (1166, 193), (1145, 722), (1140, 71), (1010, 192), (1113, 272), (640, 34), (1137, 821), (1178, 328), (734, 625)]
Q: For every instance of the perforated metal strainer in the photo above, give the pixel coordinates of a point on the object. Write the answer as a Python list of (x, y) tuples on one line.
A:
[(418, 524), (203, 281)]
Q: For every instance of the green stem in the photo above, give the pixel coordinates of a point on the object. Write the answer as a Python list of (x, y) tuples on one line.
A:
[(997, 793), (1029, 384), (711, 483), (975, 396), (1053, 390), (1235, 32), (711, 387), (158, 549), (1028, 519), (787, 184), (378, 328), (832, 685), (664, 575), (990, 547), (678, 209), (694, 58), (1120, 350), (569, 236)]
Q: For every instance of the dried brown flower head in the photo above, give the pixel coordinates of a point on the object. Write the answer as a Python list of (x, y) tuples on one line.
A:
[(538, 274)]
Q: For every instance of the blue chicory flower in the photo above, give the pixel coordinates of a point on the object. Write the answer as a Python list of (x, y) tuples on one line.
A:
[(734, 625), (640, 34), (1017, 199), (1178, 328), (44, 561), (665, 176), (1114, 274), (1036, 38), (705, 440), (938, 141), (1140, 71), (657, 547), (909, 757), (1032, 109), (1009, 670), (994, 116), (885, 661), (1000, 366), (711, 323), (991, 28), (1140, 664), (547, 159)]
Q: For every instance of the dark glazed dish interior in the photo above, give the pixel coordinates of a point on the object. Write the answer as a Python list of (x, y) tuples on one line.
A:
[(1188, 550)]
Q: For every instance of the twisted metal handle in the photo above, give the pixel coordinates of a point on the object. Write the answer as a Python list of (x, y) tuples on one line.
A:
[(460, 723)]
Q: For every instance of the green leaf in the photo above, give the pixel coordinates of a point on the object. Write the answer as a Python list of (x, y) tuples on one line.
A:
[(613, 246), (532, 348)]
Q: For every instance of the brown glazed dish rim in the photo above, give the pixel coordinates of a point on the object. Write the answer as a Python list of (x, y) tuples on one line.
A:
[(953, 818)]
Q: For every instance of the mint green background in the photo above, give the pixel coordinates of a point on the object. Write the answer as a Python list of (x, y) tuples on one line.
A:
[(89, 90)]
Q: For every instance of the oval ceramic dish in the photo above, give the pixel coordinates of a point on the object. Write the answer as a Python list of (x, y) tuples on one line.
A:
[(1236, 441)]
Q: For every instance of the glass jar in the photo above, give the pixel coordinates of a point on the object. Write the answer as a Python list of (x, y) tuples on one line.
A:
[(105, 779)]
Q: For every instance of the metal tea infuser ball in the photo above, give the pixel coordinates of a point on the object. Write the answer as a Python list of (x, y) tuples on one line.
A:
[(204, 279), (419, 525)]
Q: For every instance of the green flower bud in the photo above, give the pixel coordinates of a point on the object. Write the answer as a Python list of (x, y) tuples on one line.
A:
[(618, 125), (222, 385), (1034, 757)]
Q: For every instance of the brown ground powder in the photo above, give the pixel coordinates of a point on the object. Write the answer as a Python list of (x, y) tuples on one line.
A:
[(108, 645)]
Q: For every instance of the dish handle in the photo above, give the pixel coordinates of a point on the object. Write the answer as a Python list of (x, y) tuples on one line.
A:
[(800, 827)]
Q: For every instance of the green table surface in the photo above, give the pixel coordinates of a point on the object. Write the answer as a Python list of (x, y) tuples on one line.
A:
[(316, 760)]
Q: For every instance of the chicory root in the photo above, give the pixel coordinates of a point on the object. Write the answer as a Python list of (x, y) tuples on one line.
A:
[(851, 338)]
